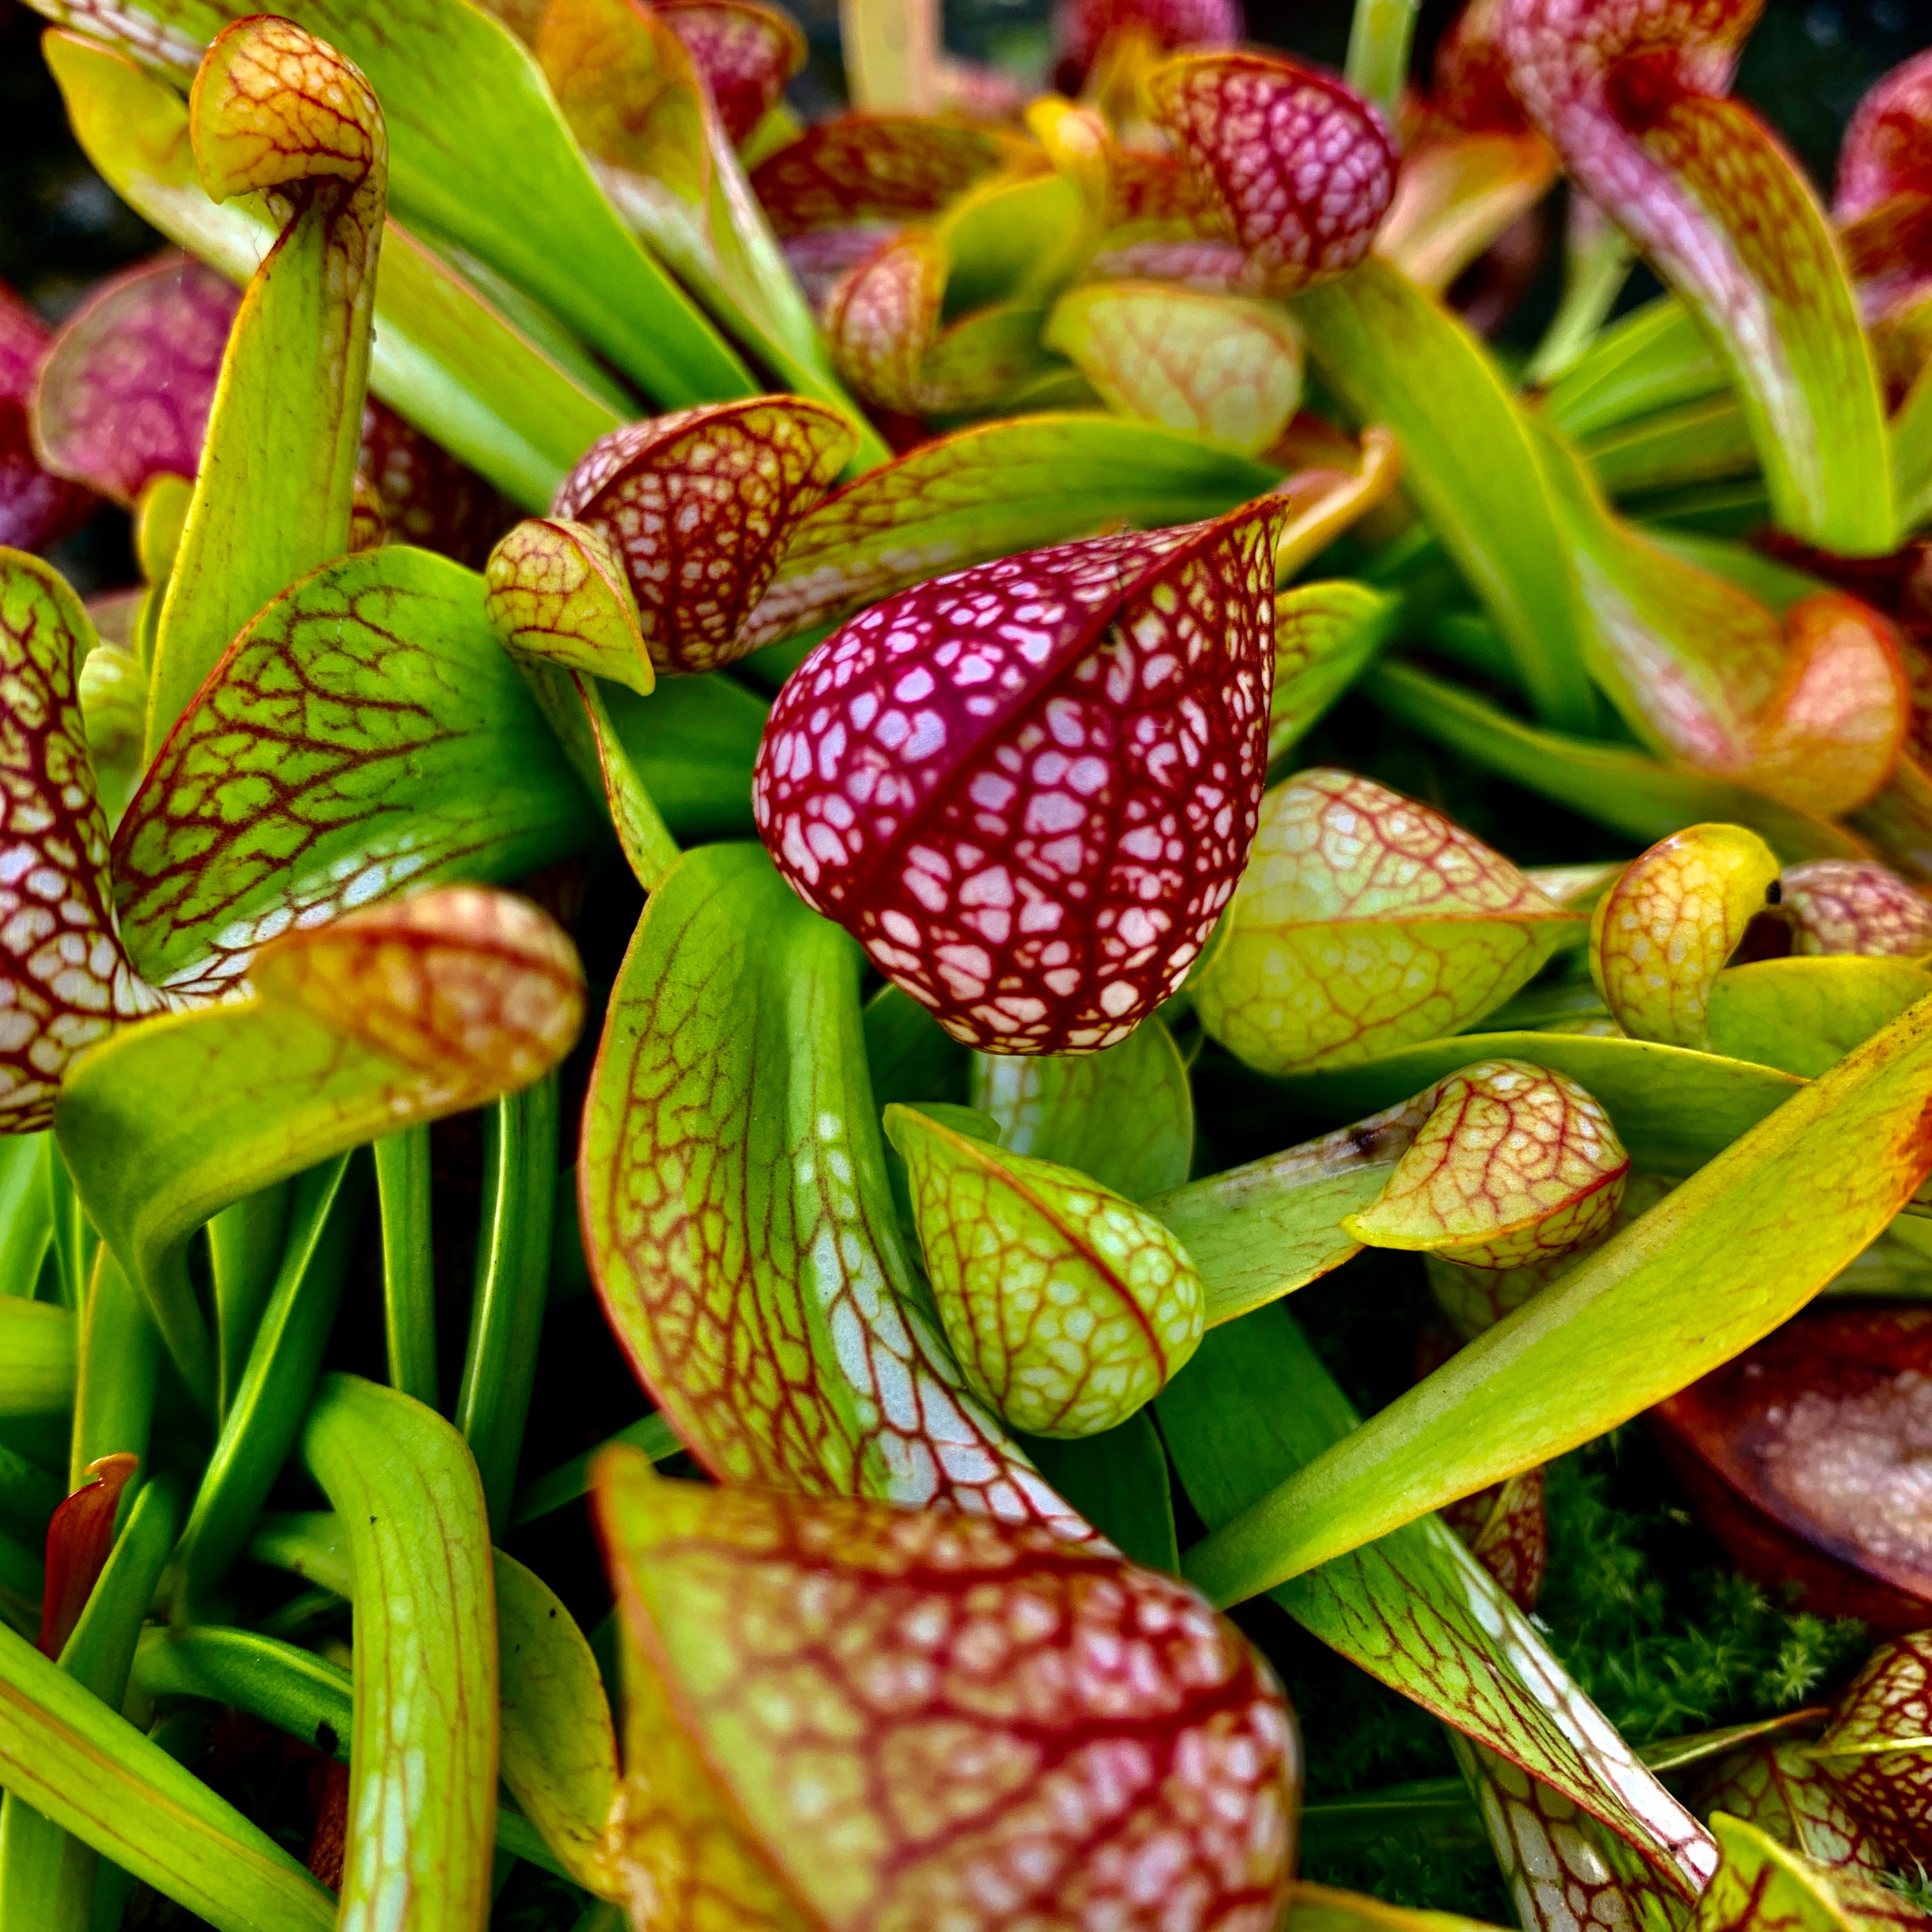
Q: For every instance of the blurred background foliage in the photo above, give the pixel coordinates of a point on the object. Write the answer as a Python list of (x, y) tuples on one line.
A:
[(60, 227)]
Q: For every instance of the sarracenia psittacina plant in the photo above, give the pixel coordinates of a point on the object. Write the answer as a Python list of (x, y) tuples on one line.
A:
[(1364, 921), (922, 1276), (1067, 1307), (1099, 1700)]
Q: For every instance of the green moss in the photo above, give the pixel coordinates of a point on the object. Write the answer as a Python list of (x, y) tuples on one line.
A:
[(1666, 1640)]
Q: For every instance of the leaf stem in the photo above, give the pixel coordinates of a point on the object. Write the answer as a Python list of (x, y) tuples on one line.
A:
[(273, 1390), (423, 1755), (408, 1262), (1378, 44), (512, 1279), (47, 1878), (26, 1210), (1597, 261), (244, 1250), (119, 1371)]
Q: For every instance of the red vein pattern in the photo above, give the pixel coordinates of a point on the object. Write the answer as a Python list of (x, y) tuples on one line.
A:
[(64, 978), (479, 988), (1028, 789), (365, 734), (1783, 1789), (739, 1222), (880, 318), (879, 167), (125, 392), (1762, 1887), (1068, 1308), (1301, 168), (1879, 1749), (699, 504), (1507, 1530), (1366, 921), (900, 1719), (1564, 1872), (1854, 905), (746, 53), (1515, 1166)]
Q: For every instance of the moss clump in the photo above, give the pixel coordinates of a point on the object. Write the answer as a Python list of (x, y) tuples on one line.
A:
[(1664, 1641)]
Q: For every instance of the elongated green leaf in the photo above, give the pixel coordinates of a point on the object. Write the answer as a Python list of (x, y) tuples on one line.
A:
[(559, 1747), (1259, 1231), (1806, 1014), (1653, 358), (1005, 486), (406, 1012), (1414, 1610), (244, 1253), (628, 86), (1469, 462), (480, 155), (738, 1220), (1125, 1115), (273, 496), (260, 1425), (121, 1356), (26, 1211), (281, 1684), (1730, 224), (499, 1365), (572, 1480), (1911, 434), (423, 1761), (1617, 787), (85, 1767), (408, 1262), (285, 796), (443, 355), (1695, 442), (1747, 1240), (46, 1877), (38, 1350)]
